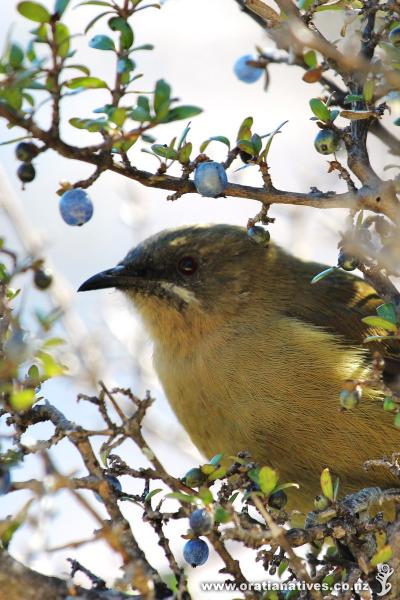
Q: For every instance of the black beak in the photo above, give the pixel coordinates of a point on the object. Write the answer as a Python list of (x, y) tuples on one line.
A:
[(116, 277)]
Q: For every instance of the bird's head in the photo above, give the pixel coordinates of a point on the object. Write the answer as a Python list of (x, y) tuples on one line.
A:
[(194, 276)]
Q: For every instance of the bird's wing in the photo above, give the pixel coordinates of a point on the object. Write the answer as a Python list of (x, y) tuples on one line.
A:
[(340, 301)]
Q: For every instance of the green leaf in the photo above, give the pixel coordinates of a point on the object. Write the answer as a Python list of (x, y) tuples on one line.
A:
[(94, 3), (320, 110), (215, 461), (152, 493), (34, 12), (182, 139), (30, 51), (53, 342), (380, 323), (118, 116), (33, 373), (150, 139), (244, 132), (389, 404), (183, 112), (139, 114), (257, 143), (246, 146), (61, 6), (162, 112), (11, 293), (97, 18), (162, 95), (267, 480), (181, 496), (92, 125), (282, 567), (143, 47), (22, 399), (62, 38), (336, 486), (10, 525), (353, 98), (12, 97), (221, 515), (206, 496), (16, 56), (334, 113), (368, 90), (185, 152), (125, 65), (51, 367), (323, 274), (88, 83), (164, 151), (102, 42), (42, 33), (388, 312), (81, 68), (285, 486), (215, 138), (126, 33), (382, 556), (310, 59), (327, 484), (144, 103)]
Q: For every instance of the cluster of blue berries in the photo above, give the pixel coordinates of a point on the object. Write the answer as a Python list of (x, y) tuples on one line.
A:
[(196, 551), (26, 152)]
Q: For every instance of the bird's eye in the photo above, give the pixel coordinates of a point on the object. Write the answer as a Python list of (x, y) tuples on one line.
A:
[(187, 265)]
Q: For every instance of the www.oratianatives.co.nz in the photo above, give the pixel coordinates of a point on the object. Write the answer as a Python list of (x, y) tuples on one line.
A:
[(268, 586)]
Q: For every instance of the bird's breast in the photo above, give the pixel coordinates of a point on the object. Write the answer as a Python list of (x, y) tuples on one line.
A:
[(275, 393)]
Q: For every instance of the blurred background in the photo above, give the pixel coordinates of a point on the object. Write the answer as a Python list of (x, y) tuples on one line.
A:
[(196, 44)]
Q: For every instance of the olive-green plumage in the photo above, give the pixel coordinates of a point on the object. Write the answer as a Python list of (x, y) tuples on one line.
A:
[(253, 357)]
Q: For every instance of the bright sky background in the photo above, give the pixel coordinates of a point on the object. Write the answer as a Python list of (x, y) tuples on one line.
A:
[(196, 44)]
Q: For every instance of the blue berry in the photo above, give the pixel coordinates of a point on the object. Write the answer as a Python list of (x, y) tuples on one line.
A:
[(195, 552), (114, 483), (347, 262), (26, 151), (201, 521), (76, 207), (277, 499), (42, 279), (259, 235), (245, 72), (26, 172), (394, 36), (5, 481), (194, 477), (210, 179), (326, 142)]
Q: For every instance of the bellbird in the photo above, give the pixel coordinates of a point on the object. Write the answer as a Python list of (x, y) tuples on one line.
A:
[(253, 357)]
